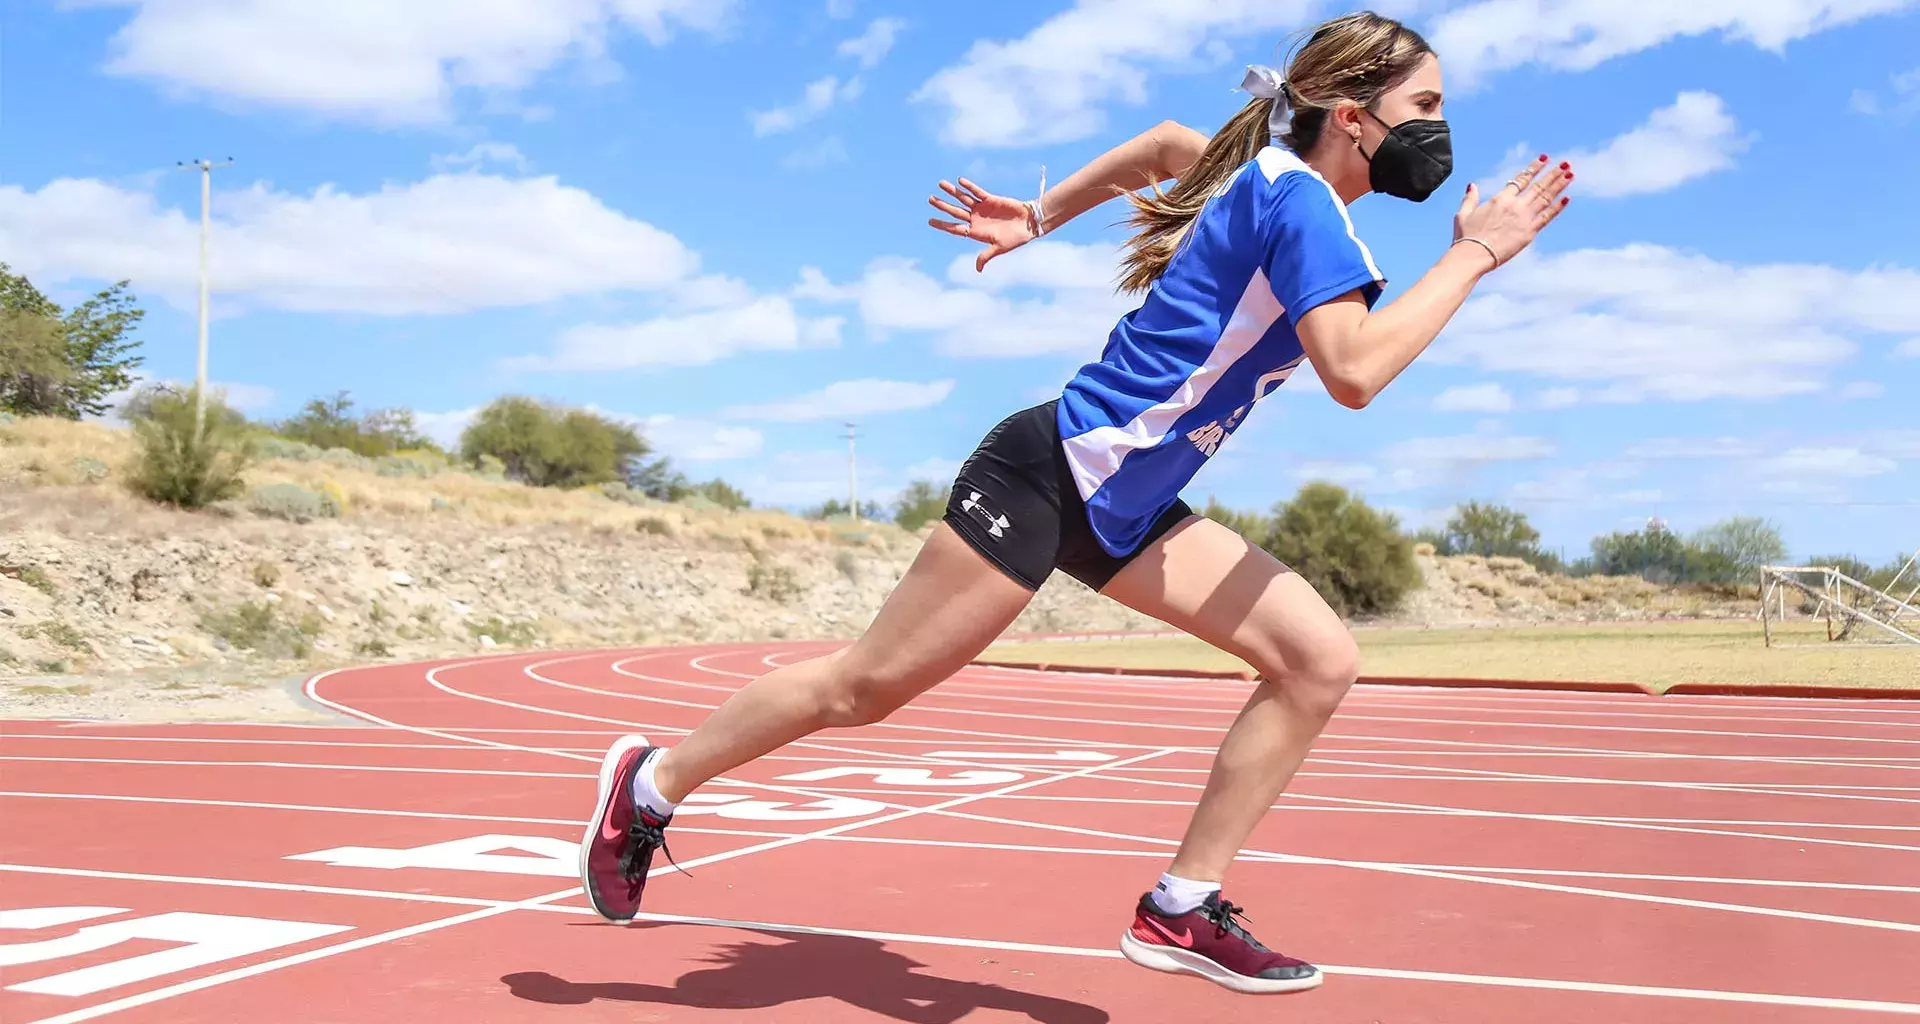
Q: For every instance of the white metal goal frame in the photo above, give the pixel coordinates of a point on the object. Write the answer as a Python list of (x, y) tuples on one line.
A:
[(1849, 606)]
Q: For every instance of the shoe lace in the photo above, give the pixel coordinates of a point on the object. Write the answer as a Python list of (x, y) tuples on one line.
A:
[(643, 836), (1223, 917)]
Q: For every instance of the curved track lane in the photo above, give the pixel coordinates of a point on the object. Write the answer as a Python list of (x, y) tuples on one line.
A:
[(1450, 855)]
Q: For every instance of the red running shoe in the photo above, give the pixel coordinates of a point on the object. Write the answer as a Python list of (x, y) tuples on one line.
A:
[(617, 851), (1210, 943)]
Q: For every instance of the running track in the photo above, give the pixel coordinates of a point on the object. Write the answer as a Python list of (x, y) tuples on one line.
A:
[(1469, 856)]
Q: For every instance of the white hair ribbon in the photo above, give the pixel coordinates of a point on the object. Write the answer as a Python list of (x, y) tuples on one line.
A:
[(1265, 83)]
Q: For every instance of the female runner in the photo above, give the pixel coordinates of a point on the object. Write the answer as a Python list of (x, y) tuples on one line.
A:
[(1250, 265)]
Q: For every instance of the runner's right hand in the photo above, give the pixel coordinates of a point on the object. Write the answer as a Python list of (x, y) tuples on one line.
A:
[(1000, 223), (1515, 214)]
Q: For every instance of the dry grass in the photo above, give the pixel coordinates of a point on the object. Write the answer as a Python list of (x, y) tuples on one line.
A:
[(82, 466), (1653, 654)]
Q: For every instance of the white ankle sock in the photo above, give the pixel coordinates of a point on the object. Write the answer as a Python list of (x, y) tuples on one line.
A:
[(1181, 895), (646, 793)]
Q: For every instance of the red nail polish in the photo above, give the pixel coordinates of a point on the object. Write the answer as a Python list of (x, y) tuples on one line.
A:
[(1542, 158), (1564, 165)]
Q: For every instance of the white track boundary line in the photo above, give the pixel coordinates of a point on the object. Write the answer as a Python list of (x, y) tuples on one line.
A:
[(957, 844), (491, 908)]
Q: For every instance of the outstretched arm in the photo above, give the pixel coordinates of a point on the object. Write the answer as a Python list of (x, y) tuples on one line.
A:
[(1358, 352), (1003, 224)]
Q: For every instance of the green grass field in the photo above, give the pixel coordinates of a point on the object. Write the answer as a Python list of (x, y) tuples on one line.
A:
[(1653, 654)]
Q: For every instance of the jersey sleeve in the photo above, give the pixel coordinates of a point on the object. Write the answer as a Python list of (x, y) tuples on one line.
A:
[(1312, 254)]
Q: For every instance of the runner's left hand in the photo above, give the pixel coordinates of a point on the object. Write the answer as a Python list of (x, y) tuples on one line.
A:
[(1000, 223)]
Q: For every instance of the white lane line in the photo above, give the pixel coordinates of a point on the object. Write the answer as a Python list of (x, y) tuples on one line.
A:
[(492, 908), (958, 844), (198, 984)]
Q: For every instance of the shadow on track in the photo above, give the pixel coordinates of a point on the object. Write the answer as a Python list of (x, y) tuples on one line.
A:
[(859, 972)]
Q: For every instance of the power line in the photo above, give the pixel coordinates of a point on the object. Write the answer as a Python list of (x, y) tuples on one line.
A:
[(853, 477)]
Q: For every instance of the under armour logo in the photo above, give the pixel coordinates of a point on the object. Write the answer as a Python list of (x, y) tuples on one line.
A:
[(996, 524)]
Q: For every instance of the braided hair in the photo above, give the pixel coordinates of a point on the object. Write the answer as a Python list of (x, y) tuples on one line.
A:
[(1357, 57)]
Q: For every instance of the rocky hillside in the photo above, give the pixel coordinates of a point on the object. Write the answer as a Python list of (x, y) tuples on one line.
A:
[(334, 559)]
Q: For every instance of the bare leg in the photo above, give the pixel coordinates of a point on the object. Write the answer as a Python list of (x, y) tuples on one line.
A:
[(951, 604), (1207, 580)]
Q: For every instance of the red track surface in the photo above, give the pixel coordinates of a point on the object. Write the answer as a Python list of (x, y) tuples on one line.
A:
[(1469, 856)]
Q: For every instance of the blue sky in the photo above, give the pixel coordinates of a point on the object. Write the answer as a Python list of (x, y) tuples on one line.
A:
[(709, 215)]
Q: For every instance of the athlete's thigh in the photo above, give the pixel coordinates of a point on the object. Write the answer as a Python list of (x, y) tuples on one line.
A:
[(948, 607), (1207, 580)]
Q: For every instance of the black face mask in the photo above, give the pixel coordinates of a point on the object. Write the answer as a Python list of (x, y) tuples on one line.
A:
[(1413, 160)]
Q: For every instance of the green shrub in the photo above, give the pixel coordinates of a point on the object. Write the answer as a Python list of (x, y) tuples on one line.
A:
[(176, 465), (329, 423), (548, 445), (1354, 555), (772, 581), (293, 503), (271, 447), (508, 634), (257, 627), (921, 503)]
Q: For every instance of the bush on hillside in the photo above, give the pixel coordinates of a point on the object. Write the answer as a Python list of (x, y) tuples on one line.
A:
[(327, 423), (1353, 554), (176, 465), (921, 503), (547, 445)]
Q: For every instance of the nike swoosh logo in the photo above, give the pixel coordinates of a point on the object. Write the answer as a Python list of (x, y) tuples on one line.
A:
[(1184, 940)]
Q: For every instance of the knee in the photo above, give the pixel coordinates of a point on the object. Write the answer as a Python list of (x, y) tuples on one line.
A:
[(859, 696), (1316, 680)]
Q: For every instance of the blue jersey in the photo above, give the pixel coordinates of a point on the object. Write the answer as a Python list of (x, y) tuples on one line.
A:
[(1214, 335)]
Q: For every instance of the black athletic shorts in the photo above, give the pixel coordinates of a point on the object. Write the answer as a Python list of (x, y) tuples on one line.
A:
[(1015, 501)]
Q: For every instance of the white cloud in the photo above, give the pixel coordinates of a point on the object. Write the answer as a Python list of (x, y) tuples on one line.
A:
[(1832, 461), (1648, 322), (376, 60), (1909, 348), (1557, 398), (1862, 389), (696, 440), (445, 428), (872, 46), (1688, 139), (1467, 449), (819, 96), (827, 152), (1045, 298), (449, 244), (936, 469), (767, 324), (839, 9), (1903, 98), (1052, 84), (1665, 449), (1419, 462), (849, 399), (504, 153), (1574, 35), (1474, 398)]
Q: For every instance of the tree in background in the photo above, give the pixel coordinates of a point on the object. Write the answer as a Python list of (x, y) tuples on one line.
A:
[(330, 423), (921, 503), (92, 354), (548, 445), (834, 508), (1492, 531), (1739, 546), (1353, 554)]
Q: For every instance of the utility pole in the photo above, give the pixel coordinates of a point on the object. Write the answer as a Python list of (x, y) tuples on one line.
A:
[(853, 488), (205, 167)]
